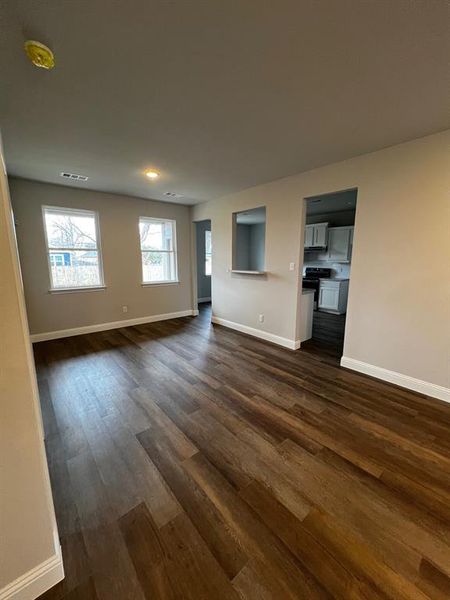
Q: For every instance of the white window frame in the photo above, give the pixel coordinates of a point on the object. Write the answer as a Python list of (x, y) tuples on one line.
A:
[(174, 251), (207, 254), (74, 211)]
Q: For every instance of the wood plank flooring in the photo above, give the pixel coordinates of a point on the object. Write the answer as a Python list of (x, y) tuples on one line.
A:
[(327, 335), (191, 462)]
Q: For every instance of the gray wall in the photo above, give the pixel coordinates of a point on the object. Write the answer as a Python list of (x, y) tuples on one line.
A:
[(203, 281), (118, 217), (257, 246), (398, 300), (250, 247)]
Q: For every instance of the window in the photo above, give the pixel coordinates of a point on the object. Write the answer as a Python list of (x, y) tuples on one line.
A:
[(74, 256), (208, 254), (158, 250)]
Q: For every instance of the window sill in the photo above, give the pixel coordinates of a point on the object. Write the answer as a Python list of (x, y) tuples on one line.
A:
[(242, 272), (94, 288), (151, 284)]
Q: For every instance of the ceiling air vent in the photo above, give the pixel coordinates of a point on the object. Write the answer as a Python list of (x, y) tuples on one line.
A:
[(173, 195), (74, 176)]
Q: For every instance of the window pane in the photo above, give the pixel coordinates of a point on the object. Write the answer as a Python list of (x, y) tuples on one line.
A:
[(208, 265), (208, 250), (70, 231), (79, 268), (158, 266), (156, 235), (207, 242)]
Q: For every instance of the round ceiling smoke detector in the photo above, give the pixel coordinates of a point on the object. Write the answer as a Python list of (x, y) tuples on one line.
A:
[(39, 54)]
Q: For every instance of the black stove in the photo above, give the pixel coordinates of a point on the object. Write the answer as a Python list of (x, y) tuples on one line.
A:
[(312, 277)]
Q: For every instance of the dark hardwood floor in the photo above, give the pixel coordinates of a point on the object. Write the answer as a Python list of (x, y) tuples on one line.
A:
[(327, 335), (191, 462)]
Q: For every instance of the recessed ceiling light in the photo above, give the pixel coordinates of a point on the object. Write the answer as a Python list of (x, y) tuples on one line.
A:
[(152, 174)]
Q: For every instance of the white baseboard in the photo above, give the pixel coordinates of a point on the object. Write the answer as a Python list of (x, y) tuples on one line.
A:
[(62, 333), (263, 335), (205, 299), (36, 581), (411, 383)]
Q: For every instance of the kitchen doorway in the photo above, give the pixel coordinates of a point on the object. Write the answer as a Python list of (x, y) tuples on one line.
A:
[(326, 270)]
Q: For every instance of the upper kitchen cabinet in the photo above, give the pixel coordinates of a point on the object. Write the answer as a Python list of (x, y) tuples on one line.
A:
[(339, 247), (340, 240), (316, 236)]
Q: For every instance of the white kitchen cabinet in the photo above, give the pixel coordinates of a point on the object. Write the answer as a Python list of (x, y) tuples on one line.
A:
[(320, 235), (333, 295), (316, 235), (309, 236), (340, 243)]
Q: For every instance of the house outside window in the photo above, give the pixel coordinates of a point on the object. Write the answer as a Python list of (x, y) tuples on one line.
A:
[(73, 248), (158, 250)]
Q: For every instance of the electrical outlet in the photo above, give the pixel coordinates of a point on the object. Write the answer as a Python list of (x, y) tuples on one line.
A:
[(261, 318), (291, 266), (124, 309)]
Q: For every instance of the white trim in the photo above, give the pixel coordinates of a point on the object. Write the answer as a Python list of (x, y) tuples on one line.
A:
[(152, 283), (411, 383), (263, 335), (174, 250), (64, 210), (36, 581), (62, 333), (205, 299), (248, 272), (195, 312), (71, 290)]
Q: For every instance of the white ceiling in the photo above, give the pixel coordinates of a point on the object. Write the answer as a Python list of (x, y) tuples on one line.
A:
[(217, 95)]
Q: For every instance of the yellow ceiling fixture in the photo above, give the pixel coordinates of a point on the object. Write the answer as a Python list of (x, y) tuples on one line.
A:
[(39, 54), (152, 174)]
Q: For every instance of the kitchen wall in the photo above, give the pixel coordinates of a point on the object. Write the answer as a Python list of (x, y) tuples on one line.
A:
[(118, 217), (334, 219), (203, 281), (30, 560), (397, 316)]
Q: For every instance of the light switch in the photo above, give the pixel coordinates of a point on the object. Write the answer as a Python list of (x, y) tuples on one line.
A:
[(291, 266)]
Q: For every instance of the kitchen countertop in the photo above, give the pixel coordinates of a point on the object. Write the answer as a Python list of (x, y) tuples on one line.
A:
[(307, 291)]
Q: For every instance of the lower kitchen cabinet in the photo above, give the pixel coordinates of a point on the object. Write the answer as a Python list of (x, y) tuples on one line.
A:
[(333, 295)]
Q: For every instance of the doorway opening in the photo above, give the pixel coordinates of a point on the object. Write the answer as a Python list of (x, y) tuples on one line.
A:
[(327, 259), (204, 261)]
